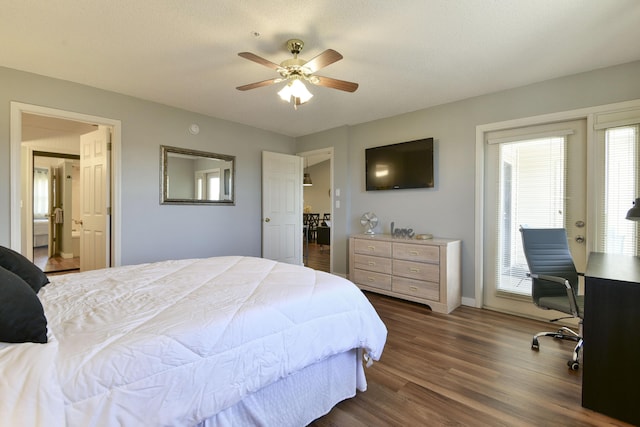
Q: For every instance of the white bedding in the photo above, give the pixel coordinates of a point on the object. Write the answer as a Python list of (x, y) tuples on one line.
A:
[(176, 342)]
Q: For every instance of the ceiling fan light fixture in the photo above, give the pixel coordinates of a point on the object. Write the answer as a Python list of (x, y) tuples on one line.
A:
[(295, 71), (295, 89)]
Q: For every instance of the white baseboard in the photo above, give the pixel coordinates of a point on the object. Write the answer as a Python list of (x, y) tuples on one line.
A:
[(470, 302), (66, 255)]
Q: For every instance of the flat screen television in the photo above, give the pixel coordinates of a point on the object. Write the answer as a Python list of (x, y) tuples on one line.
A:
[(397, 166)]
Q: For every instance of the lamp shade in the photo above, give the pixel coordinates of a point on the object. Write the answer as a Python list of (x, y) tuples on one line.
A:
[(306, 181), (634, 212), (295, 89)]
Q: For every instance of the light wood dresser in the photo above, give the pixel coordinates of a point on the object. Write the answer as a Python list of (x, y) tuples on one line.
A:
[(424, 271)]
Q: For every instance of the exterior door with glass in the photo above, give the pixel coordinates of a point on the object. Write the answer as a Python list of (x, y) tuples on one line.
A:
[(535, 177)]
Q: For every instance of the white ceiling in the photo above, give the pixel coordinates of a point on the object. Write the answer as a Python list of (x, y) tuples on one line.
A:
[(41, 127), (405, 54)]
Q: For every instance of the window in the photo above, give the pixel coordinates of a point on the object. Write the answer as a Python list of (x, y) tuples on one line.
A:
[(40, 192), (213, 185), (532, 193), (620, 165)]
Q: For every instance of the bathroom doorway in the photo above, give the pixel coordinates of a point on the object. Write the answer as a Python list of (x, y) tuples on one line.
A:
[(51, 149), (38, 128), (56, 211)]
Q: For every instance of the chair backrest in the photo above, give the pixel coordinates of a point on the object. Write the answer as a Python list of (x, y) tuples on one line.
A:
[(547, 252), (314, 220)]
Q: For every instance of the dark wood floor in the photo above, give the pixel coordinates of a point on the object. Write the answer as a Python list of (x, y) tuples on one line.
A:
[(319, 257), (55, 264), (472, 367)]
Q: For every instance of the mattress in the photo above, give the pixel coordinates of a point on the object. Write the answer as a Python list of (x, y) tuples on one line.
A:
[(178, 342)]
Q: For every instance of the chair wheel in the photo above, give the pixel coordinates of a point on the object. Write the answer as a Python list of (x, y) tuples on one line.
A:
[(535, 345), (573, 365)]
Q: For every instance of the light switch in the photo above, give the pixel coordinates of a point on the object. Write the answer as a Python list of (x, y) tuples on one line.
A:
[(337, 192), (337, 204)]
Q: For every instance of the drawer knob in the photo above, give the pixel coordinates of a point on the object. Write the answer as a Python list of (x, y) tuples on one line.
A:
[(371, 279), (414, 252), (414, 270), (372, 248), (372, 263), (413, 288)]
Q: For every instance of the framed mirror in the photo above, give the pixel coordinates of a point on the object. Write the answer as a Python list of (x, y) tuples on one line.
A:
[(196, 177)]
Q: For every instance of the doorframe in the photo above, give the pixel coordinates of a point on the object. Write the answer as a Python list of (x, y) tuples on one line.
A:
[(589, 114), (15, 167), (326, 150)]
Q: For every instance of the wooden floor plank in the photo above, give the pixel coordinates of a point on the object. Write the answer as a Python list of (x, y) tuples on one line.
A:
[(472, 367), (317, 257)]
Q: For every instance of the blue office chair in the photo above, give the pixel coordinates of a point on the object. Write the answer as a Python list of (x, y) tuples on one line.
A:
[(554, 282)]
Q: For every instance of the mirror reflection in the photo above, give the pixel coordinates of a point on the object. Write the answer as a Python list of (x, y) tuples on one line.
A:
[(196, 177)]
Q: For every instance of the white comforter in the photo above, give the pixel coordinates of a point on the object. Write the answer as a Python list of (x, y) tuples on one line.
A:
[(175, 342)]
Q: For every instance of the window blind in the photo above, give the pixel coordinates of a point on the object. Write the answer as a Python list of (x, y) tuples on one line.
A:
[(620, 161), (40, 192)]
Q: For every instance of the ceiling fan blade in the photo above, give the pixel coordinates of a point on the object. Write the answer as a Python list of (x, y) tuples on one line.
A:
[(259, 84), (255, 58), (334, 83), (327, 57)]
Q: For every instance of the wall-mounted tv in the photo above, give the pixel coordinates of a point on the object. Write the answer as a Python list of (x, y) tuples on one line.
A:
[(396, 166)]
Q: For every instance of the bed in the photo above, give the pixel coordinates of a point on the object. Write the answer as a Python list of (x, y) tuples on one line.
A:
[(210, 342)]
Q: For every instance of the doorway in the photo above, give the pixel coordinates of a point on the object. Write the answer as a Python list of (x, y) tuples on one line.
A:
[(318, 208), (535, 178), (55, 209), (41, 129)]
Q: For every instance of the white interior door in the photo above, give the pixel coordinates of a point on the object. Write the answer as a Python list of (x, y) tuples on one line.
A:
[(282, 207), (536, 177), (95, 200)]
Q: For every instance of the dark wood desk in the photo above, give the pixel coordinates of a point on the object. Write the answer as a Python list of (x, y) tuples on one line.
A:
[(611, 329)]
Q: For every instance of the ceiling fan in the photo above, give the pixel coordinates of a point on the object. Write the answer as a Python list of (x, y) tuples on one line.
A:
[(297, 70)]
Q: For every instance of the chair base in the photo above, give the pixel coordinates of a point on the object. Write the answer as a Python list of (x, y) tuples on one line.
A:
[(563, 333)]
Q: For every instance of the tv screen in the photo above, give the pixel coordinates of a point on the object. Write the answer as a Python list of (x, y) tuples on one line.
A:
[(404, 165)]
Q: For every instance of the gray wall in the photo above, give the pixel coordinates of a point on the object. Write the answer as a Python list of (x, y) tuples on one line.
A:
[(448, 209), (151, 231), (317, 196)]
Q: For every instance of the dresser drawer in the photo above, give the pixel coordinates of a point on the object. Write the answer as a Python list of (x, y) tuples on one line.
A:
[(373, 279), (372, 247), (372, 263), (413, 252), (416, 288), (427, 272), (416, 270)]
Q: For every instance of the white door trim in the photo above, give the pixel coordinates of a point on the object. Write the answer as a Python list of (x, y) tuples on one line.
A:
[(17, 108)]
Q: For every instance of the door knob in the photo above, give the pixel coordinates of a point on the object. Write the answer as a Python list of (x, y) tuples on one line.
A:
[(580, 239), (267, 219), (579, 224)]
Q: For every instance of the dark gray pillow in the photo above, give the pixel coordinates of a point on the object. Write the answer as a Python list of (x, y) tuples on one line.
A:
[(18, 264), (22, 317)]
